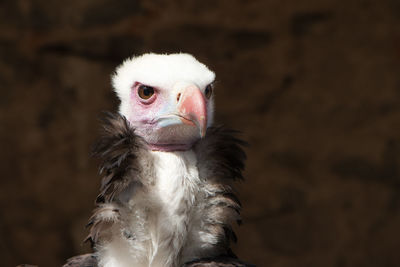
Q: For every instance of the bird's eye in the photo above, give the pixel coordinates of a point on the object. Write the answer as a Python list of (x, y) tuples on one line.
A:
[(208, 91), (145, 92)]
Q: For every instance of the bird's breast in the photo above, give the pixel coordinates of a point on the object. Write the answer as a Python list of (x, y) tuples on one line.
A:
[(175, 193), (177, 179)]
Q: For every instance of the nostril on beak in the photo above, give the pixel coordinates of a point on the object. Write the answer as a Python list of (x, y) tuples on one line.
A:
[(178, 97)]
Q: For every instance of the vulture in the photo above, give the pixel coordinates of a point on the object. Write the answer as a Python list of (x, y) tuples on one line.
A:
[(167, 196)]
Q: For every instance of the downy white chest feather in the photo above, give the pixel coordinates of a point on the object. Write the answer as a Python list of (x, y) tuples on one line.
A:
[(160, 221)]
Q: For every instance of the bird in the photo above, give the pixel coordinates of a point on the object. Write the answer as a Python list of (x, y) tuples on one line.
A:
[(167, 197)]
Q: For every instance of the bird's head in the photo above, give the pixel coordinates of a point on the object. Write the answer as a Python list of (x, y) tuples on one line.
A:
[(168, 99)]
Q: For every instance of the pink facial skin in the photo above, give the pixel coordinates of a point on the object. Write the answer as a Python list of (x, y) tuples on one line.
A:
[(141, 109), (166, 123)]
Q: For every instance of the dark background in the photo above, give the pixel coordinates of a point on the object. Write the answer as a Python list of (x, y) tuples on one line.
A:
[(313, 85)]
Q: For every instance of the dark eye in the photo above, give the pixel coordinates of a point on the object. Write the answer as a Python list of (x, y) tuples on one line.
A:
[(208, 91), (145, 92)]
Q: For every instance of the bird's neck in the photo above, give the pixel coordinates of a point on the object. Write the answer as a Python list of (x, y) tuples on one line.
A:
[(170, 147)]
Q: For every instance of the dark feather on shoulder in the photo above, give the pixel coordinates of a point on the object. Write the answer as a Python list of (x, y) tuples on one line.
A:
[(117, 148), (221, 157), (223, 153)]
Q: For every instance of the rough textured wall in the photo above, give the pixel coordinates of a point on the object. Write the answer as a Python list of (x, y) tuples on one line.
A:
[(314, 85)]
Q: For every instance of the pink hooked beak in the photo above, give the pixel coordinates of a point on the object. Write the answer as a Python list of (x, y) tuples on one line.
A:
[(192, 108)]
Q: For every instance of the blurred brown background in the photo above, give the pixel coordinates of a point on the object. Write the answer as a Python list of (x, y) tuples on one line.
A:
[(313, 85)]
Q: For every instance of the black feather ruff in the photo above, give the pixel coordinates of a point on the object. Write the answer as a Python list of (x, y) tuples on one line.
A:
[(118, 150)]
